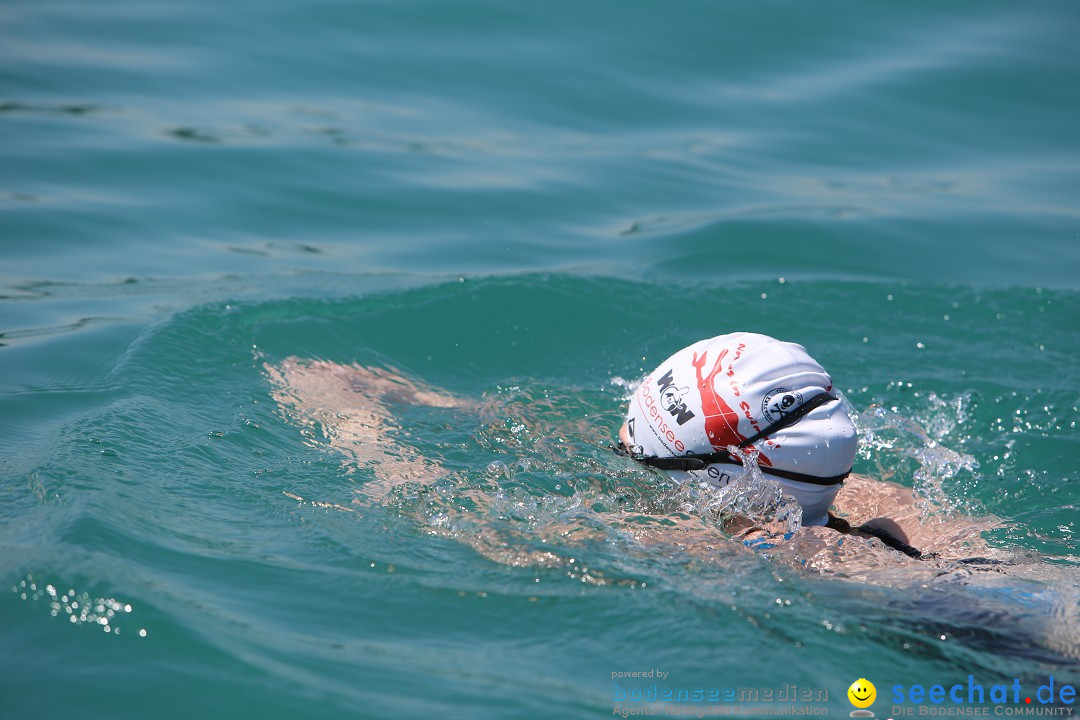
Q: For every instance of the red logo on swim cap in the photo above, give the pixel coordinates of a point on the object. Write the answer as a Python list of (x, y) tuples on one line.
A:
[(721, 422)]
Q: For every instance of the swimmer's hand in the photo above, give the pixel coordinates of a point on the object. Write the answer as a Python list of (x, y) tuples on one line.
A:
[(385, 386)]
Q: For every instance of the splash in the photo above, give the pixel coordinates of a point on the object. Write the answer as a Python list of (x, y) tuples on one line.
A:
[(546, 487), (752, 506), (897, 444)]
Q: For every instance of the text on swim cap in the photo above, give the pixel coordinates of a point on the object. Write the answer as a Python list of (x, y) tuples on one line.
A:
[(656, 415), (671, 398)]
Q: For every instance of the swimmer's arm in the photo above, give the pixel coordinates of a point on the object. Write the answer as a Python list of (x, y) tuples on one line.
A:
[(350, 407), (896, 510)]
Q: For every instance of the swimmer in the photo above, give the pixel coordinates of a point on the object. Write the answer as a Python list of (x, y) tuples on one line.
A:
[(695, 419), (718, 417)]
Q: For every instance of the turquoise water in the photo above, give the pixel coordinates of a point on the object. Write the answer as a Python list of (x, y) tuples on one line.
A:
[(530, 207)]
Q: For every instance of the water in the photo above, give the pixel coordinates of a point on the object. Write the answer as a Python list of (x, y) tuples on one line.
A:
[(528, 208)]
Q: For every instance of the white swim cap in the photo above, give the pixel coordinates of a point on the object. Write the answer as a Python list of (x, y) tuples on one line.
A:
[(726, 390)]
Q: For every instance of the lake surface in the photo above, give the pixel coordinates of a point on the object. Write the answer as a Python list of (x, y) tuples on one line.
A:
[(529, 207)]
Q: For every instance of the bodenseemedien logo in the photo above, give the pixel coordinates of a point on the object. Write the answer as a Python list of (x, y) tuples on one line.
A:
[(862, 694)]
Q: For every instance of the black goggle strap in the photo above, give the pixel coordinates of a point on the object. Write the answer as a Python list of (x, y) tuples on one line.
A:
[(699, 461), (791, 418), (841, 525)]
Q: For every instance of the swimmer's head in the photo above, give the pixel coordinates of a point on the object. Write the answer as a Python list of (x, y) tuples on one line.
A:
[(726, 390)]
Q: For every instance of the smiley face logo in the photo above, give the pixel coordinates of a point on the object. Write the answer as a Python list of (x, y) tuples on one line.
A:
[(862, 693)]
